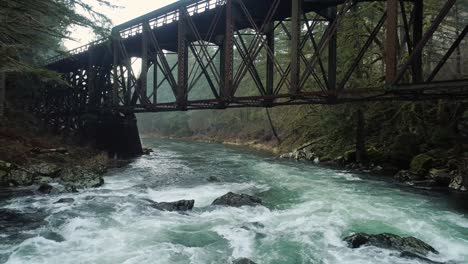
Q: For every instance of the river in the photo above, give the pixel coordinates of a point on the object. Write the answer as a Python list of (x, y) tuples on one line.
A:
[(308, 211)]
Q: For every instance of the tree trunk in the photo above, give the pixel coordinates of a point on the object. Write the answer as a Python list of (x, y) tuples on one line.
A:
[(360, 138), (2, 94)]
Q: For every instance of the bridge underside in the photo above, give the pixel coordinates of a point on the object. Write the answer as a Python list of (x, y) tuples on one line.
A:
[(226, 45), (218, 54)]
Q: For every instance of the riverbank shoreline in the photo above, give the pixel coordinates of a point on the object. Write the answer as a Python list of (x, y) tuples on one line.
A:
[(425, 172)]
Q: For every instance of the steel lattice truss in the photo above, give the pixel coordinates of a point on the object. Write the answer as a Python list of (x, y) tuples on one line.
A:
[(221, 41)]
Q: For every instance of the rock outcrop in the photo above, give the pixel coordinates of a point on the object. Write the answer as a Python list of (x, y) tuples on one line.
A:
[(390, 241), (179, 206), (237, 200), (81, 178)]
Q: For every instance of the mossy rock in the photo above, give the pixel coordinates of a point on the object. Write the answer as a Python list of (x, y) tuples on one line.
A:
[(376, 156), (350, 156), (421, 164), (404, 148)]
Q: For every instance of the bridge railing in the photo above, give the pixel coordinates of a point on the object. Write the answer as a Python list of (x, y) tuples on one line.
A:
[(168, 15)]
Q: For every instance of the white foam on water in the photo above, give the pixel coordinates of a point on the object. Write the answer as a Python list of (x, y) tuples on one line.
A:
[(117, 226), (203, 195)]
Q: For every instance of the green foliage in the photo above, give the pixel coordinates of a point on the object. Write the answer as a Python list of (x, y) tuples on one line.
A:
[(32, 30)]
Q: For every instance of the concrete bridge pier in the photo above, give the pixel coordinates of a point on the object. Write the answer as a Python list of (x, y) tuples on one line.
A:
[(117, 134)]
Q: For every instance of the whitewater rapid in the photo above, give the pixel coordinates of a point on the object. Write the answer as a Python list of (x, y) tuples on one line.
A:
[(308, 211)]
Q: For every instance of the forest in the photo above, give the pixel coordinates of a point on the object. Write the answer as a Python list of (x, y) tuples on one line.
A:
[(394, 132)]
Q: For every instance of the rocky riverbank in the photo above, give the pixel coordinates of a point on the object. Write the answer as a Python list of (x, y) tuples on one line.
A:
[(434, 169), (32, 155)]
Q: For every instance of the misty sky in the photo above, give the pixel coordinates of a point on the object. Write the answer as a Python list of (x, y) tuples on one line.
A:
[(129, 10)]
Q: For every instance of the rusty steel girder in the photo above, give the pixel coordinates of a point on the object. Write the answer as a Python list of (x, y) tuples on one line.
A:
[(221, 42)]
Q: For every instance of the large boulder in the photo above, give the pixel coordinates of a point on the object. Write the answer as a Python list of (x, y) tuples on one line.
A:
[(14, 222), (407, 176), (20, 178), (243, 261), (182, 205), (421, 164), (45, 188), (441, 177), (457, 183), (390, 241), (81, 178), (237, 200), (46, 169)]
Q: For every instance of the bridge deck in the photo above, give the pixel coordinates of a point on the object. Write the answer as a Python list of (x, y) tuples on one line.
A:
[(163, 23), (98, 91)]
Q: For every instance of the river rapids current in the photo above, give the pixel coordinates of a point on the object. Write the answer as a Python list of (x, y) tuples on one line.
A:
[(308, 211)]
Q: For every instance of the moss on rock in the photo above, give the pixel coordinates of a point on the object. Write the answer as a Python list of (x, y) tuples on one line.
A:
[(421, 164)]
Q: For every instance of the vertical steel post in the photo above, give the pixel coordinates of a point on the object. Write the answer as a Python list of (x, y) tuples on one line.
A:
[(128, 91), (270, 38), (227, 55), (115, 65), (155, 78), (144, 62), (182, 46), (332, 54), (91, 73), (2, 93), (295, 45), (417, 36), (391, 41)]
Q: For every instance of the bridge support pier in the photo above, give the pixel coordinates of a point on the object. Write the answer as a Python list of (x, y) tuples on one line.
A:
[(115, 133)]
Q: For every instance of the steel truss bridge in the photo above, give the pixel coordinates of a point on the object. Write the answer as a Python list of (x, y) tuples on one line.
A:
[(220, 41)]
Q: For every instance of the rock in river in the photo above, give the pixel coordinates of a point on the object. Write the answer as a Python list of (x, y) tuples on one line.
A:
[(182, 205), (13, 222), (237, 200), (390, 241), (65, 200), (81, 178), (243, 261), (45, 188)]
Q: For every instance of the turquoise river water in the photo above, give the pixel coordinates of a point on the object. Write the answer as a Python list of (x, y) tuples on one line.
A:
[(308, 211)]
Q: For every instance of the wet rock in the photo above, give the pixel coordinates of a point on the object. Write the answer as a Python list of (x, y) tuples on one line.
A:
[(81, 178), (99, 169), (213, 179), (45, 189), (53, 236), (237, 200), (287, 156), (243, 261), (43, 180), (390, 241), (20, 178), (410, 255), (65, 200), (182, 205), (147, 151), (46, 169), (407, 176), (13, 222), (457, 183), (441, 177)]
